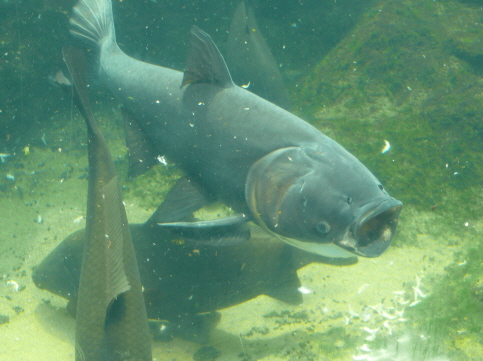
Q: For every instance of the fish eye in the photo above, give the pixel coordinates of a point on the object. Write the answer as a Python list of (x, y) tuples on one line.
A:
[(380, 187), (349, 200), (323, 227)]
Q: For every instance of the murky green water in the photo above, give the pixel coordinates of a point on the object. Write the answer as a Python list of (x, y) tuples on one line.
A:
[(403, 73)]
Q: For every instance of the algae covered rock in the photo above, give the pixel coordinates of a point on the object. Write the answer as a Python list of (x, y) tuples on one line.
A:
[(409, 73)]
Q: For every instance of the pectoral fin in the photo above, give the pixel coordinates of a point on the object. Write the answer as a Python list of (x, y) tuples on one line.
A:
[(225, 231), (287, 290), (182, 200)]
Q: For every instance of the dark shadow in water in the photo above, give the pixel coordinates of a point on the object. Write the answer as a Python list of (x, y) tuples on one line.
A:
[(56, 321)]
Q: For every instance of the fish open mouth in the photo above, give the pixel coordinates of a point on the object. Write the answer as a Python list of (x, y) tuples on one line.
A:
[(373, 232)]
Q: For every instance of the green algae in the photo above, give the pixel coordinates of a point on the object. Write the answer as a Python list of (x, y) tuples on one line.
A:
[(410, 74), (397, 79), (454, 310), (150, 189), (335, 344)]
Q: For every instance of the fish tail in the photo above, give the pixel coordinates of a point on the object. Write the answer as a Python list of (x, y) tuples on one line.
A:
[(92, 22)]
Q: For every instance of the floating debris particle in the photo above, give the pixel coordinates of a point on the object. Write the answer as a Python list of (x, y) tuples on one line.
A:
[(362, 288), (412, 304), (13, 285), (372, 333), (388, 316), (366, 314), (304, 290), (162, 160), (78, 219), (4, 156), (417, 290), (386, 148), (351, 312)]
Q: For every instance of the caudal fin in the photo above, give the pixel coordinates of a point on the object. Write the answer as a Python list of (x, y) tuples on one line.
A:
[(92, 22)]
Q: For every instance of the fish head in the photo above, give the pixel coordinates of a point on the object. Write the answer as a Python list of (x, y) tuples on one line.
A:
[(328, 204), (59, 272)]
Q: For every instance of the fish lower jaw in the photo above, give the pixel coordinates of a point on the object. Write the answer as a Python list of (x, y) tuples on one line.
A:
[(323, 249), (348, 242)]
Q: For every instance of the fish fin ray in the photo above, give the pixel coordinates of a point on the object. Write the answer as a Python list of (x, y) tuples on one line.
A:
[(205, 63), (182, 200), (92, 22), (76, 62), (226, 231), (118, 282)]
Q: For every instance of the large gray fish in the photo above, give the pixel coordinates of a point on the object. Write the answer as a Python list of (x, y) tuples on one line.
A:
[(250, 59), (111, 316), (184, 283), (235, 147)]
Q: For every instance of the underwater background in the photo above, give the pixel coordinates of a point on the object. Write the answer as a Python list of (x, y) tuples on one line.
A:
[(408, 73)]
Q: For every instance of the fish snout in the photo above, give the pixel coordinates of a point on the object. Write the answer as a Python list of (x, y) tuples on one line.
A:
[(373, 231)]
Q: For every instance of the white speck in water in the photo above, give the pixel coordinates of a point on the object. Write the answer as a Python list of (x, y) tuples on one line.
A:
[(387, 147), (78, 219), (13, 284), (304, 290), (162, 160), (362, 288)]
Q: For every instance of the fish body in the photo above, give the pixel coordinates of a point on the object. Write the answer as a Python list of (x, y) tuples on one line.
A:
[(111, 316), (264, 162), (182, 281)]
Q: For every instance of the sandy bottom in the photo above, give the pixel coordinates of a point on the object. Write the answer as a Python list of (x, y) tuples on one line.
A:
[(43, 205)]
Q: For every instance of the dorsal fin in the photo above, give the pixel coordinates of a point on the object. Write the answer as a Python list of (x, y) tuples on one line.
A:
[(205, 63)]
